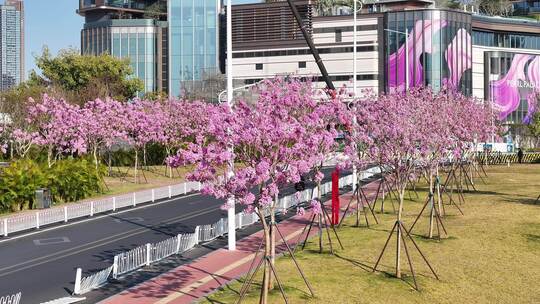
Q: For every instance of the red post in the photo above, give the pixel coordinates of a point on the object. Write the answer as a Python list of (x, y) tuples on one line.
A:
[(335, 197)]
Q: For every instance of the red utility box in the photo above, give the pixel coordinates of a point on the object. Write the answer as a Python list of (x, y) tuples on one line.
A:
[(335, 197)]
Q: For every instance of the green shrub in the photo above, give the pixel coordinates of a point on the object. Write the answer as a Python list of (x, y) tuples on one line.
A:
[(74, 179), (18, 184), (68, 180)]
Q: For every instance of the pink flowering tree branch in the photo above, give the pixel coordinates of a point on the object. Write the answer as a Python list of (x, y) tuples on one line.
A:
[(273, 139), (55, 125)]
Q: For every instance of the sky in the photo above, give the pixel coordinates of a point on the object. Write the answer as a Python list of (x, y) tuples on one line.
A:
[(55, 24), (51, 23)]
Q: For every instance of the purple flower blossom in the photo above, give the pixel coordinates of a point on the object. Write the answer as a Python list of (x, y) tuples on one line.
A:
[(315, 207)]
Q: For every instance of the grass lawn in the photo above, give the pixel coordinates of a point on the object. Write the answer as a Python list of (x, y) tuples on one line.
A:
[(492, 254), (151, 177), (123, 178)]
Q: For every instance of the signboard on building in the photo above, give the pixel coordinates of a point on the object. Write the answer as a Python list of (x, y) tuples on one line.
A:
[(513, 85)]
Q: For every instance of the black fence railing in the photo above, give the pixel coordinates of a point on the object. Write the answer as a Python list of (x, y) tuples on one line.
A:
[(495, 158)]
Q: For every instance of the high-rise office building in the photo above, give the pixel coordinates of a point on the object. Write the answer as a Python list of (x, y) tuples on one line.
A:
[(170, 43), (193, 41), (11, 44), (133, 29)]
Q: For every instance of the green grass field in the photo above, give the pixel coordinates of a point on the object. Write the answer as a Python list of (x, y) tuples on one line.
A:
[(123, 179), (492, 253)]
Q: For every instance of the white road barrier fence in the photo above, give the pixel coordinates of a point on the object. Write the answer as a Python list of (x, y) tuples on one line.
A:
[(38, 219), (94, 281), (12, 299), (150, 253)]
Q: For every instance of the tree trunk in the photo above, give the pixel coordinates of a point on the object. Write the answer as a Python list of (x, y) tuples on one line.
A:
[(136, 165), (272, 242), (398, 243), (110, 163), (144, 158), (49, 157), (167, 167), (319, 198), (267, 251), (439, 196), (95, 157), (431, 204)]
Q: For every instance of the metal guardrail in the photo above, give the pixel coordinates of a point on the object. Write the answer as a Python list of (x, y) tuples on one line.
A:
[(149, 253), (65, 300), (38, 219), (95, 280), (11, 299), (496, 158)]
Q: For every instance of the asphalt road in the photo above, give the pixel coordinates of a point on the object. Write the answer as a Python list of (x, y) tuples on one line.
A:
[(42, 265)]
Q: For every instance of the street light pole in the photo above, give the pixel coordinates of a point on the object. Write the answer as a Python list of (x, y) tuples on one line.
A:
[(354, 49), (231, 236), (355, 72), (355, 43)]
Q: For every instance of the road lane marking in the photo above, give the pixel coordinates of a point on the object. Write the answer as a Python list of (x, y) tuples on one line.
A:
[(81, 248), (95, 218), (51, 241)]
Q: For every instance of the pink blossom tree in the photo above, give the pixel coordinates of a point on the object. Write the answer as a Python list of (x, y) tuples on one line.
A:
[(103, 123), (271, 140), (323, 126), (182, 120), (394, 139), (22, 141), (402, 131), (56, 125), (142, 123)]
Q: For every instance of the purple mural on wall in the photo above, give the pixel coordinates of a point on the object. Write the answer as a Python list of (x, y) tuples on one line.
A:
[(520, 82), (457, 55)]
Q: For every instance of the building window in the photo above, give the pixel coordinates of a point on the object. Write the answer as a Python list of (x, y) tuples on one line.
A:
[(258, 66), (302, 65), (338, 36)]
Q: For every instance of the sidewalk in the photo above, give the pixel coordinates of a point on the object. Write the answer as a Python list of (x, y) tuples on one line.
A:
[(190, 282)]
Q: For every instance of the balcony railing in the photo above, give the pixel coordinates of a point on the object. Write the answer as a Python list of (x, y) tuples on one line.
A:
[(127, 4)]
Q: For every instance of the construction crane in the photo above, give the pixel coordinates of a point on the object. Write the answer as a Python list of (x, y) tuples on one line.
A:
[(311, 45)]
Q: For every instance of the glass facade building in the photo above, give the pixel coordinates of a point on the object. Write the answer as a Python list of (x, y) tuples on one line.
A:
[(438, 49), (193, 41), (131, 4), (10, 47), (171, 50), (139, 45), (506, 40), (513, 79), (134, 39)]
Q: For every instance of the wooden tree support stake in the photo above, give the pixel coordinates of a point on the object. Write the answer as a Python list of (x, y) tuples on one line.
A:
[(358, 195), (267, 262), (403, 233)]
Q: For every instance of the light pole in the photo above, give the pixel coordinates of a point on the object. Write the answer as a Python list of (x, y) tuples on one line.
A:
[(231, 236), (355, 31), (355, 71), (406, 54)]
